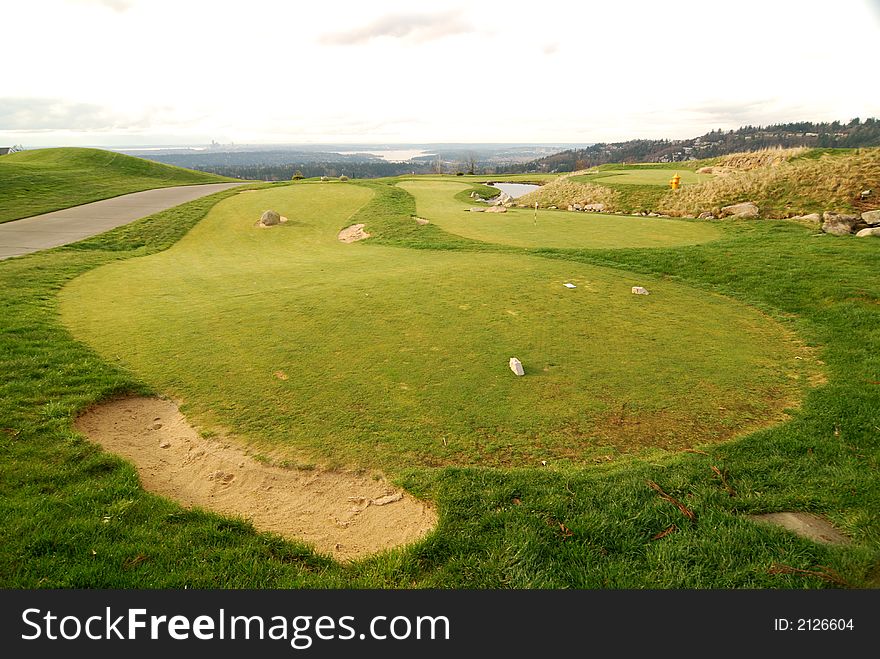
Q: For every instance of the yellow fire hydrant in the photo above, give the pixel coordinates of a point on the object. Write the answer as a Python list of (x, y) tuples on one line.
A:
[(675, 182)]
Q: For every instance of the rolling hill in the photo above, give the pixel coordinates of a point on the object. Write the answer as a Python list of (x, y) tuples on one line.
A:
[(45, 180)]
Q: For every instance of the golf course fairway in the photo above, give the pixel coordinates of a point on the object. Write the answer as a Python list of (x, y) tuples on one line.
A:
[(522, 227), (384, 357)]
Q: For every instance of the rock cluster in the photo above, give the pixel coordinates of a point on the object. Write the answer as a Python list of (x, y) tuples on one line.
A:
[(587, 208), (842, 224)]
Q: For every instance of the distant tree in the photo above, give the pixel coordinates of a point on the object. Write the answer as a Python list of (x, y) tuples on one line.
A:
[(297, 176), (471, 163)]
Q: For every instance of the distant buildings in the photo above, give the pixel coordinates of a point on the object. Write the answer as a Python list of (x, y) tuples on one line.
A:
[(10, 149)]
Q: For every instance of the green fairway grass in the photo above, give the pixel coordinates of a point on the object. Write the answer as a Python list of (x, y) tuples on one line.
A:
[(73, 516), (397, 358), (45, 180), (517, 227)]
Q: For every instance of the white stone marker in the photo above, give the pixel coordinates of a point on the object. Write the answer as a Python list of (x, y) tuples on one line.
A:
[(516, 366), (638, 290)]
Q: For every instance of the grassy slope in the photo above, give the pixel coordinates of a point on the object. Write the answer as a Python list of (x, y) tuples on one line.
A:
[(400, 358), (45, 180), (810, 183), (518, 227), (783, 183), (74, 516)]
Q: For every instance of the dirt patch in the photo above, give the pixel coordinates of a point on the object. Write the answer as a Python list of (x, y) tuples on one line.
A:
[(421, 220), (343, 514), (806, 525), (353, 233)]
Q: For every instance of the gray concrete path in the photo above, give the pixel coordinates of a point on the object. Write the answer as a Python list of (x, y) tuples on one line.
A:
[(72, 224)]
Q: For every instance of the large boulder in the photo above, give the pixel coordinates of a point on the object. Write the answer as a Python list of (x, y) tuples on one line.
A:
[(502, 199), (594, 208), (706, 215), (867, 233), (497, 209), (839, 224), (871, 218), (746, 210), (270, 218)]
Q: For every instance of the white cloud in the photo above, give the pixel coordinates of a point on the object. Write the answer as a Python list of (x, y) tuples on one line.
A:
[(273, 70), (115, 5), (412, 27)]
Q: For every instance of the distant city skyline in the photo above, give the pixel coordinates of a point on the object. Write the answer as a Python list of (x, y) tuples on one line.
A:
[(161, 72)]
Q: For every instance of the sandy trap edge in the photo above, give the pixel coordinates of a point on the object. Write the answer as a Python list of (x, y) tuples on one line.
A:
[(346, 515)]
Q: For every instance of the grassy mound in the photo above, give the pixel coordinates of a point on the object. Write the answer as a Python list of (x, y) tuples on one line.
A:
[(811, 183), (782, 182), (45, 180), (395, 358)]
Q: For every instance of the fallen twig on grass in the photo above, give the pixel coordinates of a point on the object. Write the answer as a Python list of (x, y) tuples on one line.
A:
[(664, 533), (723, 476), (823, 572), (687, 512)]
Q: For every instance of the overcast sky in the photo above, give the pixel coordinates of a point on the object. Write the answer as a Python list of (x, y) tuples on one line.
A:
[(127, 72)]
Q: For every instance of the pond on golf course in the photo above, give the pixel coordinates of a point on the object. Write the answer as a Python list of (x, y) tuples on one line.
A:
[(515, 189)]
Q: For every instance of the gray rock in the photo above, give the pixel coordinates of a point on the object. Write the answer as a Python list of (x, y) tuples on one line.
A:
[(516, 366), (270, 218), (871, 218), (638, 290), (706, 215), (502, 199), (867, 233), (810, 217), (578, 207), (838, 224), (497, 209), (476, 210), (552, 208), (595, 208), (745, 210)]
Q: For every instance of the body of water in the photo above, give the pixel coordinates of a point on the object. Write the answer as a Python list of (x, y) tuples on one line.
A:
[(516, 189), (391, 155)]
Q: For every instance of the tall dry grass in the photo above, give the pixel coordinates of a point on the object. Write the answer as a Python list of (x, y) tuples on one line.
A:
[(749, 160), (785, 188), (563, 191)]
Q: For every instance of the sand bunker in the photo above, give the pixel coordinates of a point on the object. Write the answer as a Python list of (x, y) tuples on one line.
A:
[(343, 514), (353, 233)]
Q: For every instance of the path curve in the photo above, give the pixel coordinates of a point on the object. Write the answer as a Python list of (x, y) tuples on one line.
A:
[(32, 234)]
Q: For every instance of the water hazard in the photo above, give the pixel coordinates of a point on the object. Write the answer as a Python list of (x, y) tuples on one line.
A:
[(516, 189)]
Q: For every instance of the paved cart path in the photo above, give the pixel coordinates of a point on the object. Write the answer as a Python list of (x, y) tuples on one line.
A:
[(32, 234)]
